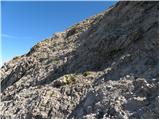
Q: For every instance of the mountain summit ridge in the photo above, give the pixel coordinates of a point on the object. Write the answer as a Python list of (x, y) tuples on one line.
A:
[(103, 67)]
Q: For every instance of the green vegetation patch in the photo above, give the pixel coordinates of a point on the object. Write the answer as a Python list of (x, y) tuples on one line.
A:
[(85, 74), (69, 79)]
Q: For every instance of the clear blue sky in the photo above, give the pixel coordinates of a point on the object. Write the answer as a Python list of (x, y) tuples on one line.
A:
[(26, 23)]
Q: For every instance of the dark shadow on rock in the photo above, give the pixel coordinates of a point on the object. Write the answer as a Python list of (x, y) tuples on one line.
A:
[(95, 51)]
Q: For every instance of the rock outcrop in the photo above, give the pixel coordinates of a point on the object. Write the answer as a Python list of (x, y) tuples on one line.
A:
[(103, 67)]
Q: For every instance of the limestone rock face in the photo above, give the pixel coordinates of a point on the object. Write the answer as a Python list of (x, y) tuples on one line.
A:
[(103, 67)]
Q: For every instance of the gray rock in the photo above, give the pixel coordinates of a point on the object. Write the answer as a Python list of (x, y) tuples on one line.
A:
[(111, 60)]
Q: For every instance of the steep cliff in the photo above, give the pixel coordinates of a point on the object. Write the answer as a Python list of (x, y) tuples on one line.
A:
[(103, 67)]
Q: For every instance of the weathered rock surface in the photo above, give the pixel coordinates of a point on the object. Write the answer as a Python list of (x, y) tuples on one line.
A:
[(103, 67)]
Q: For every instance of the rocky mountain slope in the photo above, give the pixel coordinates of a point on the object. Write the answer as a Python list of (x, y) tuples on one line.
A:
[(103, 67)]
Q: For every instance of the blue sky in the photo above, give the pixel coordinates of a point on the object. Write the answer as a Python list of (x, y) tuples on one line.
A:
[(26, 23)]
